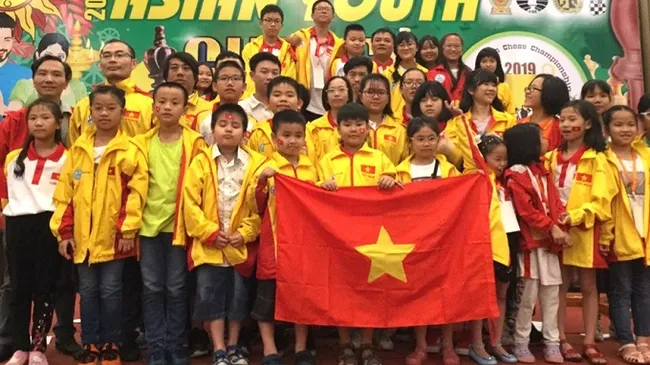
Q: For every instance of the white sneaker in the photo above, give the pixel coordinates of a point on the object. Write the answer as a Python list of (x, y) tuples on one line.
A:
[(37, 358)]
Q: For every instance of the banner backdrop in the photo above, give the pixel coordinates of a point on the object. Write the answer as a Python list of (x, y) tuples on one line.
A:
[(576, 40)]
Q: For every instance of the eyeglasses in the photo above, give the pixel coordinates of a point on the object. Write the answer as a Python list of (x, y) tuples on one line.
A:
[(416, 83), (322, 9), (530, 89), (225, 79), (116, 55), (374, 92), (645, 114), (337, 91), (272, 21)]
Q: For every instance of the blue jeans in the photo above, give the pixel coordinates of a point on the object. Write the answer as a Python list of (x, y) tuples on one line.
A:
[(164, 293), (100, 289), (221, 292), (629, 288)]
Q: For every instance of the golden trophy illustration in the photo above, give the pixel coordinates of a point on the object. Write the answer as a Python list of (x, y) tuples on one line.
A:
[(81, 58), (500, 7)]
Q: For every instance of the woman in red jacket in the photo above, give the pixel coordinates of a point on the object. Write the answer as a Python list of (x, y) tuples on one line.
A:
[(451, 72)]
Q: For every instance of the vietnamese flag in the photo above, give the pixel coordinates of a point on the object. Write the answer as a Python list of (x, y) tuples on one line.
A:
[(364, 257)]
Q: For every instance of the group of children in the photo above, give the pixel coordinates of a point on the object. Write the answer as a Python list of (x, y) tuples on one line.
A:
[(196, 195)]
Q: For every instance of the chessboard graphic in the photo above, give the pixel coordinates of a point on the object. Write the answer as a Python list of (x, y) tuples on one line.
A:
[(533, 6), (597, 7)]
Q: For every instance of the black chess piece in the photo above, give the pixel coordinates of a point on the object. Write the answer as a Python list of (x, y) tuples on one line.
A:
[(155, 56)]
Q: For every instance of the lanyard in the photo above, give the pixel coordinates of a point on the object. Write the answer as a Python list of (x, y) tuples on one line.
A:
[(627, 179)]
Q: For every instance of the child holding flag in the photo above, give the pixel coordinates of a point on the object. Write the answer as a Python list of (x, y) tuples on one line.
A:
[(219, 236), (289, 139), (99, 202), (354, 163)]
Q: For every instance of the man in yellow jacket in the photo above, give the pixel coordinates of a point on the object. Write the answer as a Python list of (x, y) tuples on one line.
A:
[(183, 68), (117, 62), (314, 47), (271, 21), (220, 236)]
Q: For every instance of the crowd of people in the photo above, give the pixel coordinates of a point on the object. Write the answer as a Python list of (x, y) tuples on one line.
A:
[(145, 204)]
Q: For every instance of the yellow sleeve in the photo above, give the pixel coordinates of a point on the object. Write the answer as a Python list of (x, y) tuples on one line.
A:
[(290, 69), (387, 166), (506, 94), (313, 148), (325, 171), (603, 190), (405, 146), (250, 225), (76, 121), (247, 54), (255, 140), (62, 221), (461, 152), (138, 185), (196, 223)]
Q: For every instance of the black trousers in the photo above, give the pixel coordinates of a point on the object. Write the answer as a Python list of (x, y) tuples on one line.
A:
[(131, 300), (34, 268), (66, 295)]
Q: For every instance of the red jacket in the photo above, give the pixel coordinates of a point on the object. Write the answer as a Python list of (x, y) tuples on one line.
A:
[(534, 224), (13, 132), (440, 74)]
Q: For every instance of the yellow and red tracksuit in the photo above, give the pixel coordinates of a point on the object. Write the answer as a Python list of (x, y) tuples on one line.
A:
[(200, 195), (192, 145), (303, 54), (446, 169), (137, 119), (396, 99), (390, 138), (322, 136), (364, 168), (99, 205), (197, 109), (285, 54)]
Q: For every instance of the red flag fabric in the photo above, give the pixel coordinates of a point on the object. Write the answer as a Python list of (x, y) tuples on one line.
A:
[(364, 257)]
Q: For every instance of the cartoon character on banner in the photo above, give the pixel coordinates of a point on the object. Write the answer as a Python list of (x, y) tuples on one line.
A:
[(10, 72), (52, 44)]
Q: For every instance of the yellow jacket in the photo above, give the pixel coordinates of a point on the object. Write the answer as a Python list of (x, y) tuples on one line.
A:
[(287, 58), (137, 119), (322, 136), (390, 138), (396, 99), (303, 55), (628, 244), (446, 169), (505, 95), (470, 153), (454, 132), (202, 216), (589, 207), (261, 139), (364, 168), (98, 206), (197, 109), (192, 146)]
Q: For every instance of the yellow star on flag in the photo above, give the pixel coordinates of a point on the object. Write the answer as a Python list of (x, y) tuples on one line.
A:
[(386, 257)]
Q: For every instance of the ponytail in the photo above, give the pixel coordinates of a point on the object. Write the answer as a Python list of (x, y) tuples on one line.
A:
[(19, 169)]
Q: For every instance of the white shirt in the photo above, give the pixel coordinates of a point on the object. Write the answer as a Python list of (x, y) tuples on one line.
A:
[(636, 197), (424, 172), (97, 153), (318, 70), (230, 177), (33, 192), (255, 108), (564, 187)]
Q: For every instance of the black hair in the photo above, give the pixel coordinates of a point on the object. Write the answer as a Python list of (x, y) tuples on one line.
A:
[(418, 123), (210, 93), (431, 89), (287, 117), (493, 53), (353, 27), (7, 22), (282, 80), (67, 71), (353, 111), (608, 116), (474, 80), (19, 169), (109, 90), (383, 30), (261, 57), (591, 86), (356, 62), (488, 143), (403, 36), (554, 94), (305, 96), (401, 79), (230, 108), (231, 64), (523, 144), (229, 54), (325, 101), (171, 85), (271, 8), (313, 6), (442, 60), (186, 59), (421, 43), (131, 50), (644, 103), (593, 138), (50, 39), (383, 80)]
